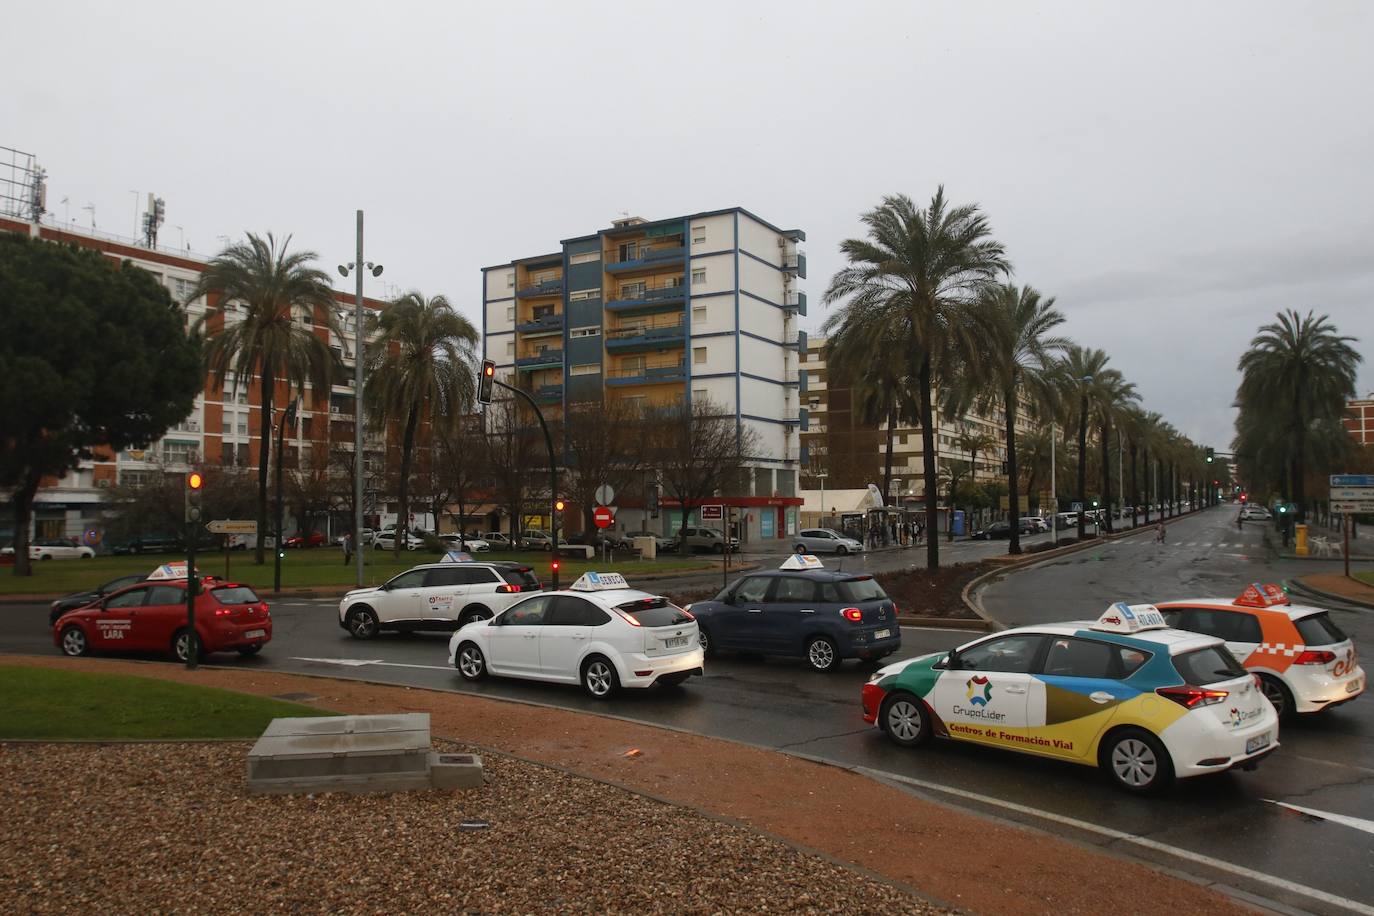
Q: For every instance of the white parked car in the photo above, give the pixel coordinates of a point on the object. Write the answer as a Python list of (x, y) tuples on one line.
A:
[(387, 541), (1034, 524), (465, 542), (436, 596), (497, 540), (600, 633), (826, 540), (1253, 513), (54, 549)]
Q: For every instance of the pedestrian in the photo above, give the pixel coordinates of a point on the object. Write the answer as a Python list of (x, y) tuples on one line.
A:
[(346, 542), (1159, 532), (1240, 521)]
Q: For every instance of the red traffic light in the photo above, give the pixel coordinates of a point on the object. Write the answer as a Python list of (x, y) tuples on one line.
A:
[(194, 481), (489, 369), (553, 565), (559, 505)]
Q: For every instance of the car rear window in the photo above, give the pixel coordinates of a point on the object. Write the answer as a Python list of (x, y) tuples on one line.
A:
[(1319, 630), (237, 594), (522, 576), (864, 589), (1207, 666), (655, 612)]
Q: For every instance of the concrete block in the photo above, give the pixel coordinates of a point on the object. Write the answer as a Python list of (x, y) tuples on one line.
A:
[(455, 771), (342, 753)]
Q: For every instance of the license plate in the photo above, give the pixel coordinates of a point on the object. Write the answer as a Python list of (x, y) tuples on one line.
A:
[(1353, 686), (675, 642), (1256, 743), (882, 634), (254, 634)]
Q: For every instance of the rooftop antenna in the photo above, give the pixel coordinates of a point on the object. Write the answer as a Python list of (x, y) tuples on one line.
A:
[(91, 207)]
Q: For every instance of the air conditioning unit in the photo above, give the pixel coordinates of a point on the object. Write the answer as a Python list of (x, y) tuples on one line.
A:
[(103, 483), (195, 426)]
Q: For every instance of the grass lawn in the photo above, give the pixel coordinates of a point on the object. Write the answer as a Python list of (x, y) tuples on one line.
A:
[(321, 566), (63, 705), (1366, 577)]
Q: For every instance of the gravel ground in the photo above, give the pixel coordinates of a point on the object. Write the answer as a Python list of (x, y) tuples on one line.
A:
[(149, 828)]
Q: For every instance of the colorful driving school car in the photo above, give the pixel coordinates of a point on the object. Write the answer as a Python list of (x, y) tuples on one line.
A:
[(1125, 693), (1305, 663)]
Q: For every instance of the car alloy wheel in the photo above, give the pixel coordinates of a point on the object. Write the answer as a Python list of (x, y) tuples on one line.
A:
[(822, 655), (841, 550), (471, 664), (74, 642), (181, 646), (362, 623), (1134, 763), (599, 678), (904, 720), (704, 639), (1277, 694)]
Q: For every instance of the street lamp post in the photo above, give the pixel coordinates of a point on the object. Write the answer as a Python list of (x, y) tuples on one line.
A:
[(288, 418), (821, 475), (1054, 496), (358, 462)]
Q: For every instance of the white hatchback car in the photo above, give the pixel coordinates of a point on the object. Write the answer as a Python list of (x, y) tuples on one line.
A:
[(600, 633), (436, 596), (55, 549)]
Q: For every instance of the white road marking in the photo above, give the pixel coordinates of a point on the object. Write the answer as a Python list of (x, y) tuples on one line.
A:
[(360, 662), (1358, 823), (1121, 835)]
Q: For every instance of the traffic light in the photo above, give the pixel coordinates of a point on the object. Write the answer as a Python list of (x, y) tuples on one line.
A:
[(486, 382), (553, 568), (1283, 508), (194, 484), (1211, 454)]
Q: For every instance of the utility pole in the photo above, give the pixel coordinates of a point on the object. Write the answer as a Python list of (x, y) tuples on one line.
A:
[(1054, 496), (288, 416), (553, 477), (358, 461)]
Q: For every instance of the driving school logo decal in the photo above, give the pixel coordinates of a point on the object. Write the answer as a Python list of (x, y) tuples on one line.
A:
[(979, 690)]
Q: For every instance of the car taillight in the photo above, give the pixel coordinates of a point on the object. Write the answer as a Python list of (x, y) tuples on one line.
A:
[(853, 613), (1192, 697), (507, 589), (223, 611), (1315, 657), (690, 615), (628, 618), (1258, 683)]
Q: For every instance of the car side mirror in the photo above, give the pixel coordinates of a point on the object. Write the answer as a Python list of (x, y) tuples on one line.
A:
[(950, 662)]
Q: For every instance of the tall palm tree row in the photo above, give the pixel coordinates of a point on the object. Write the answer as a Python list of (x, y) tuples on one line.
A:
[(1075, 377), (1295, 379), (1113, 396), (261, 291), (422, 362)]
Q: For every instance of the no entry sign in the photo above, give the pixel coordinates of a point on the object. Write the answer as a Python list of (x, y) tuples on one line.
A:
[(603, 516)]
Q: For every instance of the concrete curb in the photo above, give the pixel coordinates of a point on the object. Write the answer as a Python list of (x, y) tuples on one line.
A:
[(952, 623), (1304, 588)]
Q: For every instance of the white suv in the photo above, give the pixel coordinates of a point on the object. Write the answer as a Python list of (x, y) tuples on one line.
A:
[(436, 596)]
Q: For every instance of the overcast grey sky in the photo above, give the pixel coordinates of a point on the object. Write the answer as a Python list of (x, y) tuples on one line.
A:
[(1173, 172)]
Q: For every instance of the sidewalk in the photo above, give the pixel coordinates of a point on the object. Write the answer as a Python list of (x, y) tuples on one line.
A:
[(1336, 586), (967, 861)]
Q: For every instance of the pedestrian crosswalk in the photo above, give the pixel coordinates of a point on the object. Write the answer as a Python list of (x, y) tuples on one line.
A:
[(1150, 542)]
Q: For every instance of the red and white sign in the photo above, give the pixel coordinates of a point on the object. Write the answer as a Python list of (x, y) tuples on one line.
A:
[(603, 516), (712, 513)]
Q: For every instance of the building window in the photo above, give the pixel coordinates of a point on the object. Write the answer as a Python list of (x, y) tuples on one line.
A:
[(544, 276), (179, 452), (698, 235), (698, 356), (698, 313), (228, 426), (585, 332), (698, 277), (586, 257), (510, 280), (242, 426), (583, 294), (815, 404), (587, 369), (636, 404), (700, 394), (510, 313), (510, 348)]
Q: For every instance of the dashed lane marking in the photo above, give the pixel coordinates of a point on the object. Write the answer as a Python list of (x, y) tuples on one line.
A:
[(1358, 823)]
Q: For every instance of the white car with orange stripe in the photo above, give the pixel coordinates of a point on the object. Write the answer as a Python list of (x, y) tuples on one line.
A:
[(1305, 663)]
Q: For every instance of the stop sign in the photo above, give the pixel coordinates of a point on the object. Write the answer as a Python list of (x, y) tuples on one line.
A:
[(603, 516)]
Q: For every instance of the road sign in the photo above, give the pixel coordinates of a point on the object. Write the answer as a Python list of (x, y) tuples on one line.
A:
[(712, 513), (1352, 493), (605, 495), (232, 526), (1352, 480), (603, 516), (1353, 506)]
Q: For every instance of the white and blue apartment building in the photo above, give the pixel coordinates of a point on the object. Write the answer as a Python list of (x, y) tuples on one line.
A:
[(657, 312)]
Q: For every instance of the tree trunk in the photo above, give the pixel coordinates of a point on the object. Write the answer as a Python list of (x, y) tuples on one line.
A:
[(928, 471), (1299, 465), (1013, 504), (887, 458), (1082, 465), (23, 513), (403, 516), (1107, 474), (1135, 485), (269, 386)]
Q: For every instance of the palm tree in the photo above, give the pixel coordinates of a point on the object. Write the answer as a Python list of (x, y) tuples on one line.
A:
[(1074, 376), (422, 362), (1112, 395), (911, 281), (264, 341), (1013, 356), (1300, 370)]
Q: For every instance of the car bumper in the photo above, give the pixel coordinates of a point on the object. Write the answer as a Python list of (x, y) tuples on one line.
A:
[(1214, 748), (866, 645), (238, 635), (642, 670), (1316, 691), (871, 701)]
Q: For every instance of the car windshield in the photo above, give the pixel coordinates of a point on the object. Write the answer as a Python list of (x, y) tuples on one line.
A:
[(522, 576), (237, 594), (1207, 666), (1319, 630), (864, 589), (655, 612)]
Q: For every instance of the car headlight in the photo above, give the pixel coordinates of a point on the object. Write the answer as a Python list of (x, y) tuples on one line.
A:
[(875, 677)]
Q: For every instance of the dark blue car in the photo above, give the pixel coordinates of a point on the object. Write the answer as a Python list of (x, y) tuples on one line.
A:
[(820, 615)]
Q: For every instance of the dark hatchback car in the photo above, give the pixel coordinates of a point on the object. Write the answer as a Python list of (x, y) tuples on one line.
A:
[(998, 530), (820, 615), (81, 599)]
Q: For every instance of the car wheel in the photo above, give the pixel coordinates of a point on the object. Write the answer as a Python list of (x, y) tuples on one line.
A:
[(718, 548), (1277, 693), (821, 654), (134, 550), (471, 664), (599, 678), (841, 551), (248, 651), (1137, 762), (707, 649), (905, 719), (362, 623), (675, 680), (45, 556), (74, 642), (181, 646), (479, 612)]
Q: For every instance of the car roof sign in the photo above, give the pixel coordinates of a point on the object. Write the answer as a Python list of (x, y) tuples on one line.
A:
[(456, 556), (1257, 595), (1130, 618), (802, 561), (168, 571), (598, 582)]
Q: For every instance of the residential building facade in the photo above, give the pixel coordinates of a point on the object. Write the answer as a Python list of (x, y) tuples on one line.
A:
[(1359, 419)]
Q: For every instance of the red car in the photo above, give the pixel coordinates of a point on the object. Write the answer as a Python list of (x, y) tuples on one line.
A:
[(313, 539), (151, 617)]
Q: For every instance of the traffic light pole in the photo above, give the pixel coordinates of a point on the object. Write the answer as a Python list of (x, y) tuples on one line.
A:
[(194, 482), (553, 474)]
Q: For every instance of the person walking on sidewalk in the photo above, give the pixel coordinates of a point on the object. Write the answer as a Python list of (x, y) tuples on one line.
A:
[(1159, 532), (346, 542)]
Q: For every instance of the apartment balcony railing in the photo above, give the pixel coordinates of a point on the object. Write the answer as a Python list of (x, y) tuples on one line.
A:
[(795, 262), (647, 335), (648, 374), (546, 394), (642, 256), (544, 359), (646, 297), (544, 324), (542, 288)]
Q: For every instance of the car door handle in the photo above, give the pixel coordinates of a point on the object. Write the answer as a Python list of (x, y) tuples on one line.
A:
[(808, 611), (579, 636), (1100, 696), (530, 635), (756, 610), (412, 594), (1016, 690)]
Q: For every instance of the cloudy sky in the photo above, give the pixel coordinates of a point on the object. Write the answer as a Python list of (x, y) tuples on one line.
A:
[(1174, 173)]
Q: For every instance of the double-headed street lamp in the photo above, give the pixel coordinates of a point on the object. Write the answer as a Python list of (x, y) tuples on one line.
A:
[(357, 266)]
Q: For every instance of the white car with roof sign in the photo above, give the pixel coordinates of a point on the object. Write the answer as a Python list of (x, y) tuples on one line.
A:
[(1126, 693), (600, 633), (437, 596)]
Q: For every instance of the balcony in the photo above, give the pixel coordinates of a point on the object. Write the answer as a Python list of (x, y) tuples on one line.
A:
[(796, 301), (646, 335), (547, 394), (552, 287), (646, 297), (550, 323), (648, 374), (544, 359), (795, 262), (643, 257)]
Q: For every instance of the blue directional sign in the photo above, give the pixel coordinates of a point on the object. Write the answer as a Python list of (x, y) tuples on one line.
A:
[(1352, 480)]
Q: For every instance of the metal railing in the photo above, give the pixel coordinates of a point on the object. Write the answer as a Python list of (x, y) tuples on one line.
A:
[(655, 371), (648, 291), (541, 288), (546, 322), (645, 254), (546, 355), (650, 330)]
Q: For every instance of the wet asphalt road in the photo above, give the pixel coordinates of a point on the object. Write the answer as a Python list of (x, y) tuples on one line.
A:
[(1325, 765)]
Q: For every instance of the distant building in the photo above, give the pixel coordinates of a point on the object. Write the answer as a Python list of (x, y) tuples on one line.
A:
[(1359, 419)]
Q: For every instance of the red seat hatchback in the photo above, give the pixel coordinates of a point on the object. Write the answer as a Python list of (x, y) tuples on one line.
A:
[(151, 617)]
